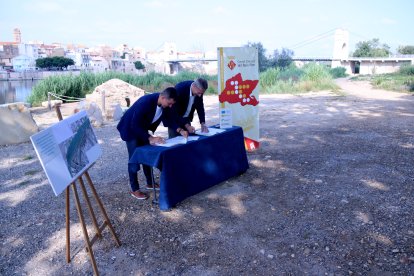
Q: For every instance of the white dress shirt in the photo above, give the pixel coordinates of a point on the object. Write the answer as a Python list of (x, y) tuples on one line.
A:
[(158, 114), (190, 104)]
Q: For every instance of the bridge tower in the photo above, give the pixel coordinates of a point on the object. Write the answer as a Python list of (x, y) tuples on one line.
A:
[(341, 47)]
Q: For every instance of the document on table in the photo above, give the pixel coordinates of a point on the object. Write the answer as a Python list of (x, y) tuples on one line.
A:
[(177, 140), (211, 131)]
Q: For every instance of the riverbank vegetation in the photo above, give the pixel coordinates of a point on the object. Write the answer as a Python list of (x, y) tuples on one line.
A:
[(401, 81), (311, 77), (77, 86)]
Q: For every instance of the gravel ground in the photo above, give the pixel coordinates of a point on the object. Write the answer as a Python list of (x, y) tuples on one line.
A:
[(330, 192)]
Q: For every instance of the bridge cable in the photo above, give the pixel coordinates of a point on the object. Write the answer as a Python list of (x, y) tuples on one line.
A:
[(314, 38)]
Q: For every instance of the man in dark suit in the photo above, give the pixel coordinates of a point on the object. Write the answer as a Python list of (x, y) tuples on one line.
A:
[(144, 115), (189, 99)]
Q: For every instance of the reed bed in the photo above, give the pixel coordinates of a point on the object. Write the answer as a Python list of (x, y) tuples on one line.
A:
[(78, 86), (312, 77)]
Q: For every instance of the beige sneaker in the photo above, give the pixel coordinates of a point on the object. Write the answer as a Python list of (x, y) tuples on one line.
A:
[(139, 195), (150, 187)]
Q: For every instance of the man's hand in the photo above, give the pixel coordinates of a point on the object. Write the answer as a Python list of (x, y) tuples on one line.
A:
[(190, 128), (184, 133), (156, 140), (204, 128)]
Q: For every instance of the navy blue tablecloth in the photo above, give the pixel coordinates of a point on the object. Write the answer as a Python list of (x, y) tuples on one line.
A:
[(196, 166)]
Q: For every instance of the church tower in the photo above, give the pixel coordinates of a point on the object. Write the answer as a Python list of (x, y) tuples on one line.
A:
[(17, 35)]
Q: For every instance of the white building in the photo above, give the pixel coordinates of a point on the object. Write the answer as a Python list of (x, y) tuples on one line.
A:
[(98, 64), (81, 59), (29, 50), (23, 62)]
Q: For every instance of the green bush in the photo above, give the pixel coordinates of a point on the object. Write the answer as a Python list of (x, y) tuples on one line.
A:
[(291, 73), (338, 72), (312, 77), (280, 87), (410, 85), (315, 72), (269, 77), (407, 70)]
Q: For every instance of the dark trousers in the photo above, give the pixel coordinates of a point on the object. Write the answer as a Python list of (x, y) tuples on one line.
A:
[(172, 132), (134, 168)]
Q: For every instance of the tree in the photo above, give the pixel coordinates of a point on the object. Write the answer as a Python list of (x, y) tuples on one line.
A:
[(282, 59), (58, 62), (62, 62), (371, 48), (138, 65), (263, 60), (406, 50)]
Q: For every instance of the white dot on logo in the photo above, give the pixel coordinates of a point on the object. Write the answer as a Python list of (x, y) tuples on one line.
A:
[(232, 82), (236, 83), (244, 100), (236, 91), (248, 99), (240, 96), (236, 87)]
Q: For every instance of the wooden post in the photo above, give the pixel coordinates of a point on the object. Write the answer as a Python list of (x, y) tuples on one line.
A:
[(84, 230), (67, 225), (58, 113), (88, 202), (49, 104), (103, 101)]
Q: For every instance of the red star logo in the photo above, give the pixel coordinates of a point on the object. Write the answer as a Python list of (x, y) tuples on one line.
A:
[(231, 64)]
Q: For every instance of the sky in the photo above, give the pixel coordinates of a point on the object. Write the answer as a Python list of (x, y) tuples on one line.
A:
[(305, 26)]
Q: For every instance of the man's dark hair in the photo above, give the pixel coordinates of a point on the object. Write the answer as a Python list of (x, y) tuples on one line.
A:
[(201, 83), (170, 93)]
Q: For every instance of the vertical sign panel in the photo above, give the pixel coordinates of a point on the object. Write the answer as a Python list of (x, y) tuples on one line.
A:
[(238, 79)]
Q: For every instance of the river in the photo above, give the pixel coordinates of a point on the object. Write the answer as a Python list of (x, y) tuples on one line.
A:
[(16, 90)]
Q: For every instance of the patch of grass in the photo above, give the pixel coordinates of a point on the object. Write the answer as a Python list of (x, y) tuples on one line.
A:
[(312, 77), (24, 183), (394, 82), (401, 81), (361, 78), (407, 70), (27, 157), (338, 72), (281, 87), (32, 172)]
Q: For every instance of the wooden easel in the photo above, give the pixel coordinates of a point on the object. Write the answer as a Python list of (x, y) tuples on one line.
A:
[(98, 229)]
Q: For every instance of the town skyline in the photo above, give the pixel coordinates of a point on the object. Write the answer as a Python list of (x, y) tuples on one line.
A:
[(305, 26)]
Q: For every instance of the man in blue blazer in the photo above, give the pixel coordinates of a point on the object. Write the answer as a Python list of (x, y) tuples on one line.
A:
[(189, 99), (143, 116)]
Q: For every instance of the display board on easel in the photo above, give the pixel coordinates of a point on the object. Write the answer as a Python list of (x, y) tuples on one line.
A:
[(238, 79), (66, 150)]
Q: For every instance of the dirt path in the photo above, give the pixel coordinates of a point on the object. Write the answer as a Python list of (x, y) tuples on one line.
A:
[(330, 191), (364, 90)]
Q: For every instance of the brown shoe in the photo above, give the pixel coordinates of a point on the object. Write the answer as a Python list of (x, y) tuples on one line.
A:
[(139, 195), (150, 187)]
